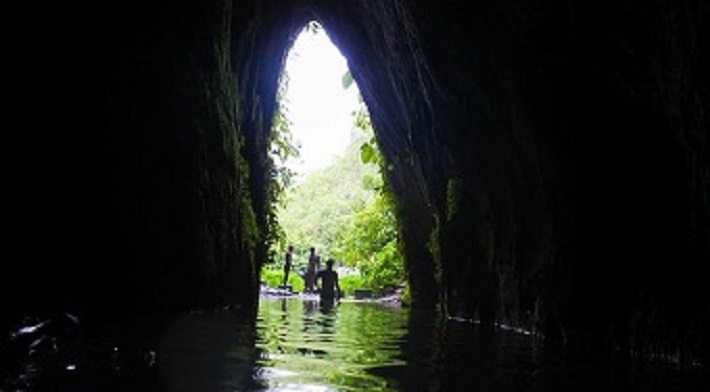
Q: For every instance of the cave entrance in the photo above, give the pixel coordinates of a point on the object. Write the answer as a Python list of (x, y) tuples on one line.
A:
[(329, 177)]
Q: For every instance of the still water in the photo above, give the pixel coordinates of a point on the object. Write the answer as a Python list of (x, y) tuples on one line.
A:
[(298, 345), (304, 346), (373, 347)]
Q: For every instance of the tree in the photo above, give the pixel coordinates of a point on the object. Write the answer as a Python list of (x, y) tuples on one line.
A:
[(371, 243)]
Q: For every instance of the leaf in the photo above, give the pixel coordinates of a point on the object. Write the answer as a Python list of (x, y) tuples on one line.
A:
[(367, 153), (347, 80)]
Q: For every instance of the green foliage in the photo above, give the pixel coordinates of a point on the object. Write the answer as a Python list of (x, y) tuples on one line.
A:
[(434, 247), (347, 212), (362, 122), (282, 147), (347, 80), (367, 153), (349, 283), (406, 298), (249, 228), (320, 209), (273, 277), (453, 190), (371, 242), (373, 227), (385, 268)]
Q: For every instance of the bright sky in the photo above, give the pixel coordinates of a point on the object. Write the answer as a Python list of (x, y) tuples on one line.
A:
[(319, 108)]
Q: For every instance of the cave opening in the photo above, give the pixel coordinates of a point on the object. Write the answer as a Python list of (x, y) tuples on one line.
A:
[(328, 177)]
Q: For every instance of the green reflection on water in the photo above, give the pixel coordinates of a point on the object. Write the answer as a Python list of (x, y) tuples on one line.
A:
[(304, 345)]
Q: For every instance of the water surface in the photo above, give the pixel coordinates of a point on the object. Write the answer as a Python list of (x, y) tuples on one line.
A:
[(368, 347), (295, 344), (304, 345)]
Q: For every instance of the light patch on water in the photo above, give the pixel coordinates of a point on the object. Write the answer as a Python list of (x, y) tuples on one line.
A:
[(461, 319), (271, 356), (504, 327), (29, 329), (519, 330), (272, 372), (303, 387)]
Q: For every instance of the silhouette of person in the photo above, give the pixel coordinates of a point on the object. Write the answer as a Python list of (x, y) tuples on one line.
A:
[(329, 286), (313, 266), (288, 258)]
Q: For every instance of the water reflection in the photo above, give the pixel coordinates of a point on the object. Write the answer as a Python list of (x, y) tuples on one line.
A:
[(299, 344), (306, 345), (208, 353), (365, 346)]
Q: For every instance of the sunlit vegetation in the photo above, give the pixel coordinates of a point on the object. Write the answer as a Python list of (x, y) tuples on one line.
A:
[(282, 147), (273, 277), (345, 210), (346, 213)]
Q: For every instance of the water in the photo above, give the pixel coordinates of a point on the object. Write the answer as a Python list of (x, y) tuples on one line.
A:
[(298, 345), (371, 347), (304, 346)]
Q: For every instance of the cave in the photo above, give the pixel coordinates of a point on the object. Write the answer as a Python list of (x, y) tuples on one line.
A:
[(550, 159)]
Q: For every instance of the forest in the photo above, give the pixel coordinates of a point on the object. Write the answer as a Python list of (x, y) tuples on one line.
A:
[(345, 211)]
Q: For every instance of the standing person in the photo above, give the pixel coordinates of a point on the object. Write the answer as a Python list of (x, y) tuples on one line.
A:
[(330, 286), (313, 265), (288, 259)]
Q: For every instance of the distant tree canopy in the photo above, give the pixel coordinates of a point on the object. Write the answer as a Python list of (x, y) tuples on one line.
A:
[(322, 208)]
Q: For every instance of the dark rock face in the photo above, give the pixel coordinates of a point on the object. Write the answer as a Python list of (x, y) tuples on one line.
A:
[(553, 153), (550, 159)]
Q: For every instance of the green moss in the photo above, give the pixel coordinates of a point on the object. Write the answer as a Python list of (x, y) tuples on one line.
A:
[(249, 228), (434, 247), (406, 298), (453, 190)]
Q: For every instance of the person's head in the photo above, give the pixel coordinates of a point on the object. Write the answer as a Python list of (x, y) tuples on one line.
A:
[(329, 263), (313, 250), (290, 248)]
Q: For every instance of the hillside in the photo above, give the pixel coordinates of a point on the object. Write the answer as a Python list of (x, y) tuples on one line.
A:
[(318, 208)]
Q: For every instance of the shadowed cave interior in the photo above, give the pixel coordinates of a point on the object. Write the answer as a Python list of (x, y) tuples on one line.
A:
[(550, 160)]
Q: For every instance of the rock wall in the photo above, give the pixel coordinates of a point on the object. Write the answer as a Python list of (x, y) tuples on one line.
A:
[(549, 159), (146, 207)]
